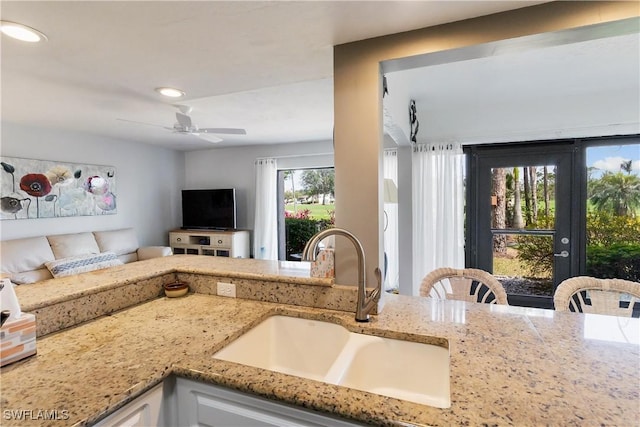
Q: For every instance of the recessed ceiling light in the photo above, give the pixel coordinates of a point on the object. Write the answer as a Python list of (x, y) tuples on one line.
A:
[(21, 32), (170, 92)]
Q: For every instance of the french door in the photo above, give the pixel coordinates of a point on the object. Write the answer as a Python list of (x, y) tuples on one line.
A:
[(522, 205)]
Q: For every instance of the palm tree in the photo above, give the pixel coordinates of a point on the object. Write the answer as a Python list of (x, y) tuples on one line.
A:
[(545, 190), (499, 208), (533, 180), (518, 222), (618, 193), (528, 218), (292, 174)]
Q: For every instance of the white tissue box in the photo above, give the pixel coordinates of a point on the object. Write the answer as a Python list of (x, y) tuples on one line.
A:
[(18, 339)]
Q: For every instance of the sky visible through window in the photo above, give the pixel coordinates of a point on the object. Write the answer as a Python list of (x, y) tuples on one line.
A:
[(610, 157), (297, 175)]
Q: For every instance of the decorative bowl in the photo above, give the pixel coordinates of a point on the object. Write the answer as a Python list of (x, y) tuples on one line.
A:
[(176, 289)]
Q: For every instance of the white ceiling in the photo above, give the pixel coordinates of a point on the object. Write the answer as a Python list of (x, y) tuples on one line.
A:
[(582, 89), (263, 66)]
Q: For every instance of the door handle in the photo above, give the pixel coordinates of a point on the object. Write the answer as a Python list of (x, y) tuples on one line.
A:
[(563, 254)]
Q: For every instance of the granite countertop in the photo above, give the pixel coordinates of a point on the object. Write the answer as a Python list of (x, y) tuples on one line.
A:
[(47, 292), (509, 365)]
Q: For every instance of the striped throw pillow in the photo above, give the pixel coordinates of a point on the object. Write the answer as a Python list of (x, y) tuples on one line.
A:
[(82, 264)]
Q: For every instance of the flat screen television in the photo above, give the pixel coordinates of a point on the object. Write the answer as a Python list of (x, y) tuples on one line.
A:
[(213, 209)]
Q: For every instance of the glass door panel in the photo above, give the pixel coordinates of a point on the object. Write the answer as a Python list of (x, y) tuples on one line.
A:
[(519, 222), (523, 227), (525, 266), (613, 211)]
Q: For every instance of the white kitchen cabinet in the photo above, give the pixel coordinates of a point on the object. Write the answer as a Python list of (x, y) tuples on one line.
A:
[(206, 405), (182, 402), (145, 411)]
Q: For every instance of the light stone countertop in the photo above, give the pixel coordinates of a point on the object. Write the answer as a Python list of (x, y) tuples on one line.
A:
[(47, 292), (509, 365)]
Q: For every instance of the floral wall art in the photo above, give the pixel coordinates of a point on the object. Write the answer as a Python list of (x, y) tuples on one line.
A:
[(47, 189)]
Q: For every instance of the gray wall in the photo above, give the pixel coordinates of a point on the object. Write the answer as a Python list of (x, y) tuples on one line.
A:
[(149, 182), (234, 167), (149, 178)]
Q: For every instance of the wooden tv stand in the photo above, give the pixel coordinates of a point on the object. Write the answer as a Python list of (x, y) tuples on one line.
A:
[(233, 244)]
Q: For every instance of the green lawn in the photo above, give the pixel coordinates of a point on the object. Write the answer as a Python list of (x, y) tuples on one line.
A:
[(510, 265), (503, 266), (318, 210)]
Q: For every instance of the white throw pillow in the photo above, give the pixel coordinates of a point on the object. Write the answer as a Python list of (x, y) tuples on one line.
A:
[(120, 242), (25, 254), (75, 244), (82, 264)]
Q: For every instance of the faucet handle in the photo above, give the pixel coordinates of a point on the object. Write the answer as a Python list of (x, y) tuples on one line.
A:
[(378, 274), (378, 289)]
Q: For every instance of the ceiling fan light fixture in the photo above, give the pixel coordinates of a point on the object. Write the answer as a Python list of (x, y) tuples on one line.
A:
[(21, 32), (170, 92)]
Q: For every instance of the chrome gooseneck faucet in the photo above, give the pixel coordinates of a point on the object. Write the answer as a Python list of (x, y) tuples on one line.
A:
[(365, 303)]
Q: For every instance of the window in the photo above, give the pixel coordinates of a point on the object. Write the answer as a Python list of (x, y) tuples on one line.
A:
[(306, 205), (613, 211)]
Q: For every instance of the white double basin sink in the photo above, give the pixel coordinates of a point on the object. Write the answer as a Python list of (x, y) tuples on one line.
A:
[(330, 353)]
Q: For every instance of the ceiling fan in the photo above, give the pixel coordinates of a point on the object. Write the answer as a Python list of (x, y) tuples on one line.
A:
[(185, 126)]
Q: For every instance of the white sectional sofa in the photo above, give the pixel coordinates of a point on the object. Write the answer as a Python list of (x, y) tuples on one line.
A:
[(34, 259)]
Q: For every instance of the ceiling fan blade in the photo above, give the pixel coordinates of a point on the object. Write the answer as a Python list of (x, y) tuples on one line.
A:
[(227, 131), (206, 137), (210, 138), (185, 109), (140, 123), (184, 120)]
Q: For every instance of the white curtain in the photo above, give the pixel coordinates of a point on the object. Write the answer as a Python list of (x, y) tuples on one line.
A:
[(390, 167), (265, 230), (438, 209)]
